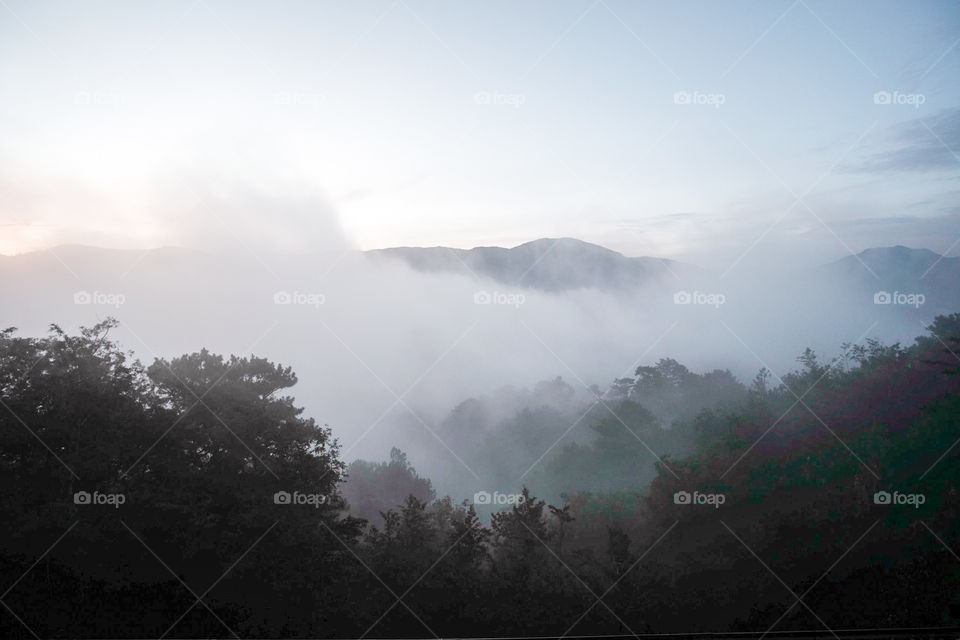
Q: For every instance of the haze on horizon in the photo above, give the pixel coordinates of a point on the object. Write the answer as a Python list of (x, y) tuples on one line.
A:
[(369, 125), (506, 316)]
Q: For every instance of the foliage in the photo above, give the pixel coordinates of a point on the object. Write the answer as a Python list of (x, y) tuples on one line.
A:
[(199, 446)]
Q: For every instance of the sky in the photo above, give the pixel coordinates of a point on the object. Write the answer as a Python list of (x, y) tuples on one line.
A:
[(700, 131)]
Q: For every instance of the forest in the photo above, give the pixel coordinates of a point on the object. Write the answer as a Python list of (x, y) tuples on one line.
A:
[(192, 497)]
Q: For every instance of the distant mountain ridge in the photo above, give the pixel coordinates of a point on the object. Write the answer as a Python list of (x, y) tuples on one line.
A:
[(547, 264), (900, 267), (550, 264), (901, 270), (895, 261)]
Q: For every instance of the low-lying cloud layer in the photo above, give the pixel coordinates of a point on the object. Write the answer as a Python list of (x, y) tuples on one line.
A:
[(384, 352)]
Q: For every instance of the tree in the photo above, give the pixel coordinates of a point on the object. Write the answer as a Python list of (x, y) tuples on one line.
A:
[(196, 447), (374, 487), (520, 536), (563, 517)]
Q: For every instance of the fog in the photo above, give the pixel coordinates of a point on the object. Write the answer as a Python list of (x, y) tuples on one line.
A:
[(489, 320), (384, 353)]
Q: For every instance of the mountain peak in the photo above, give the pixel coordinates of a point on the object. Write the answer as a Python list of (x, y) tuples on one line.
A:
[(550, 264), (899, 267), (564, 243), (899, 252)]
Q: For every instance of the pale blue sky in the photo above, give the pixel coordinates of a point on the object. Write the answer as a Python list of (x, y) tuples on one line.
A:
[(296, 125)]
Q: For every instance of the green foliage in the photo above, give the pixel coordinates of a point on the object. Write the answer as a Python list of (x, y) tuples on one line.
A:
[(374, 487), (199, 444)]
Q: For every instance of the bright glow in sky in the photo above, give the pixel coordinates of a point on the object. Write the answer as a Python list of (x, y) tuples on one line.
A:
[(300, 125)]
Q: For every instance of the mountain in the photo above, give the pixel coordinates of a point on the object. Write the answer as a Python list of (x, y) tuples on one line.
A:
[(900, 271), (896, 262), (344, 321), (549, 264)]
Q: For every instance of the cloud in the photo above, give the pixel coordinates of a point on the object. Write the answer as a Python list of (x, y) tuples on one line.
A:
[(938, 233), (196, 210), (921, 144), (227, 214)]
